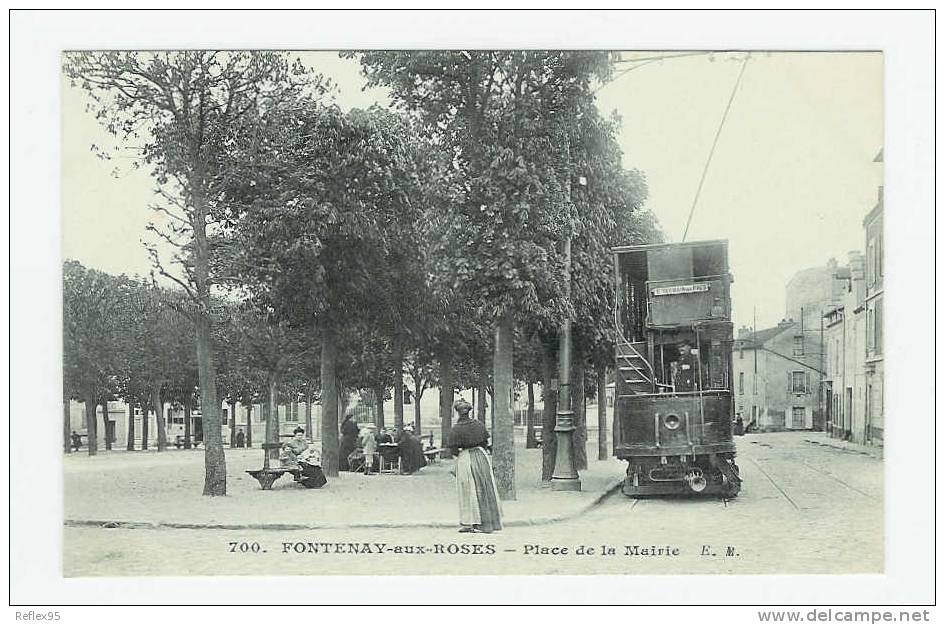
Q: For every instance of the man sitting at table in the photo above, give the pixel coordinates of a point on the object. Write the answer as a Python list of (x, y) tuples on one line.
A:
[(384, 437)]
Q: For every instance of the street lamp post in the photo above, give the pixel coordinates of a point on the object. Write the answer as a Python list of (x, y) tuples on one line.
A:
[(565, 477)]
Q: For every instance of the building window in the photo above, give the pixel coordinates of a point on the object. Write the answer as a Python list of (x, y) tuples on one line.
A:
[(878, 327), (741, 383), (798, 382), (799, 345), (225, 415)]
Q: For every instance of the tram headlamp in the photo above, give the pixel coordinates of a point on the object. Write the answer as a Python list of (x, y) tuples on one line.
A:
[(671, 421)]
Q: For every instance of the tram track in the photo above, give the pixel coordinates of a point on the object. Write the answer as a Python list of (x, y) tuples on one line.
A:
[(776, 485), (836, 479)]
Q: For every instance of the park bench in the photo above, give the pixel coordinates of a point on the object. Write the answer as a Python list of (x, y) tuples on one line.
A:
[(267, 475), (432, 455)]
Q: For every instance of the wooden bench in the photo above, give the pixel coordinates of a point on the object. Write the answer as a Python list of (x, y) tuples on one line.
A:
[(432, 455), (267, 475)]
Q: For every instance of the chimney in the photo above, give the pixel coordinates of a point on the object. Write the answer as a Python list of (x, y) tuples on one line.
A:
[(744, 332), (857, 265)]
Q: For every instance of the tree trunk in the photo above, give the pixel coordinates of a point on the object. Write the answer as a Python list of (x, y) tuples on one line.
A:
[(379, 393), (492, 410), (548, 413), (530, 442), (159, 416), (214, 460), (91, 423), (329, 384), (249, 424), (417, 393), (145, 424), (308, 417), (398, 386), (232, 424), (503, 434), (108, 438), (272, 423), (446, 405), (483, 385), (579, 439), (130, 445), (66, 426), (602, 451), (188, 412)]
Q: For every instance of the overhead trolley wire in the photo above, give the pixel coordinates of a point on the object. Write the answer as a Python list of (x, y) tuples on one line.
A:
[(715, 142)]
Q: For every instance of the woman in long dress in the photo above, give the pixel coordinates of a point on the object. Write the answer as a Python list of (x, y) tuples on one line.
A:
[(411, 452), (479, 509), (349, 441), (292, 449)]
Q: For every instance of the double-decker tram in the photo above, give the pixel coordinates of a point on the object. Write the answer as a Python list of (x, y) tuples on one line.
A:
[(673, 403)]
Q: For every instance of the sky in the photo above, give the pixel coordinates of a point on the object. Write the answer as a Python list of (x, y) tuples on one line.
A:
[(789, 183)]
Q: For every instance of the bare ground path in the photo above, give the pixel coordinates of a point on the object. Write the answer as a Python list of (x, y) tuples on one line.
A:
[(785, 521)]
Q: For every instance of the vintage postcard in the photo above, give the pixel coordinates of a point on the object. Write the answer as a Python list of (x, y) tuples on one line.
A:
[(480, 312)]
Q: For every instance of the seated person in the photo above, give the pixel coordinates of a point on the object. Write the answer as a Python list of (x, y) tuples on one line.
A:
[(292, 449), (411, 452), (310, 469), (384, 437)]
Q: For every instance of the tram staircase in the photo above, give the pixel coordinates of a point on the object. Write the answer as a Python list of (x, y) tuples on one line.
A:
[(634, 369)]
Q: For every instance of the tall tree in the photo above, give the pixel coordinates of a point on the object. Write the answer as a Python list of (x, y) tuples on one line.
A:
[(313, 202), (497, 112), (90, 331), (183, 108)]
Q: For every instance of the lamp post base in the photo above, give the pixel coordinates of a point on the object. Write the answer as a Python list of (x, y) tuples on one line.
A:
[(566, 484)]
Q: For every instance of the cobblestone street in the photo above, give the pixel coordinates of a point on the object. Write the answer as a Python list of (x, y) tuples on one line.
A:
[(797, 492)]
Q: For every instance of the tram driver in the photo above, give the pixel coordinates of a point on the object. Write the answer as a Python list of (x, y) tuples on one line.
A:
[(685, 370)]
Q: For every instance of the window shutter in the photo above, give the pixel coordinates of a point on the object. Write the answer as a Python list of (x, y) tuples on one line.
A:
[(807, 382)]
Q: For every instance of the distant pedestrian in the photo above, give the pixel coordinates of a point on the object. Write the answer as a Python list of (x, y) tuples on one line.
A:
[(76, 441), (368, 447), (479, 509), (240, 439)]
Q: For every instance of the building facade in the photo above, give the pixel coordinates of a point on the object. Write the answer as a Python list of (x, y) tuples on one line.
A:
[(777, 378), (116, 424), (853, 387), (844, 344), (873, 226)]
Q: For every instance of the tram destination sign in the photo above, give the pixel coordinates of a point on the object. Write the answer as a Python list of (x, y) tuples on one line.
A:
[(680, 289)]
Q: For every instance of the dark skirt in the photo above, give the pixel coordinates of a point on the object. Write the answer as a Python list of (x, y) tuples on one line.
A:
[(312, 476), (348, 444)]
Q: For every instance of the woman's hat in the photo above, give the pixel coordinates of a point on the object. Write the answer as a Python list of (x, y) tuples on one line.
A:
[(462, 406)]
